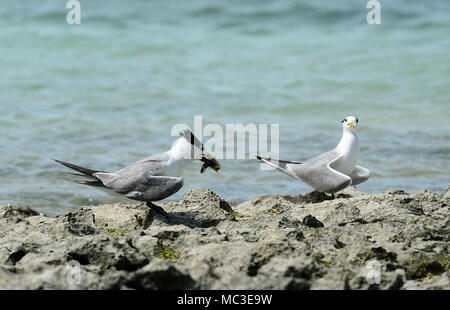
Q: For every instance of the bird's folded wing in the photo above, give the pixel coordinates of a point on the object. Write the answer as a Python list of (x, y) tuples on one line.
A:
[(141, 187), (119, 183), (155, 188), (319, 174), (152, 163), (125, 179), (160, 181), (359, 175)]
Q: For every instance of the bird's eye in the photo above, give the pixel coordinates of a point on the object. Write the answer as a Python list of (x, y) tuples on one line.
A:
[(344, 120)]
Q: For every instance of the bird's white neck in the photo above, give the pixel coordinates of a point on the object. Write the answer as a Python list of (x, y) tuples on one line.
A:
[(348, 148), (179, 158), (349, 141), (181, 149)]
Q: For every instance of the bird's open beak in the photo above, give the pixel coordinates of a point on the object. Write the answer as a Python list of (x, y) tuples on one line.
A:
[(210, 162), (352, 124)]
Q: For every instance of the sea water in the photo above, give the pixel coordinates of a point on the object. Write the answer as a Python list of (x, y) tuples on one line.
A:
[(107, 92)]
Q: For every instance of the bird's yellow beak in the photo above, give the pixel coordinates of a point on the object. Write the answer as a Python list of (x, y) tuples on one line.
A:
[(352, 124)]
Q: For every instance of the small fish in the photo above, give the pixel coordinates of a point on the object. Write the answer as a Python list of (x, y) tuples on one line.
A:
[(210, 162)]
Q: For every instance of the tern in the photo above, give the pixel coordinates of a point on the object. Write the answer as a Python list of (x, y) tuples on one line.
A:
[(153, 178)]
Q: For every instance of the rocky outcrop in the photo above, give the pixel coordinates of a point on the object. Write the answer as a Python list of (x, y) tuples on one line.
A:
[(392, 240)]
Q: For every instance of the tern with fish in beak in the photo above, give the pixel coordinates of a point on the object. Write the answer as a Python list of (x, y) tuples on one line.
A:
[(331, 171), (153, 178)]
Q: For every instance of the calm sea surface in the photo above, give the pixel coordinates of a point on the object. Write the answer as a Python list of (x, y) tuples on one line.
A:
[(106, 93)]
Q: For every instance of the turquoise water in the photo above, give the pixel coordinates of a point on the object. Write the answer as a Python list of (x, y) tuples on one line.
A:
[(107, 92)]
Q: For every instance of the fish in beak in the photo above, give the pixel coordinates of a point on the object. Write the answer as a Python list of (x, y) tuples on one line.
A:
[(210, 162)]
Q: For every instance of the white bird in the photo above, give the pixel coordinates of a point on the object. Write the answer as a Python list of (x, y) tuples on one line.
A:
[(331, 171), (153, 178)]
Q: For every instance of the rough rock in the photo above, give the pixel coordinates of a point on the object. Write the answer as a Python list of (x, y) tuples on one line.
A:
[(392, 240)]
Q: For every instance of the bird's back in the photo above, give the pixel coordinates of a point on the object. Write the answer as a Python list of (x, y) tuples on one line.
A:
[(149, 165)]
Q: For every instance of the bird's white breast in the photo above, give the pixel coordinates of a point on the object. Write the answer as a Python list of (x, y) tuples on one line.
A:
[(178, 158), (175, 167), (348, 148)]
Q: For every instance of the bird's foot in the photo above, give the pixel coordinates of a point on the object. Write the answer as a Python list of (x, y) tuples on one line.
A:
[(157, 209)]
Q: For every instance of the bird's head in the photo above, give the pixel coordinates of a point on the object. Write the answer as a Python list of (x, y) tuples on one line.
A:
[(350, 123)]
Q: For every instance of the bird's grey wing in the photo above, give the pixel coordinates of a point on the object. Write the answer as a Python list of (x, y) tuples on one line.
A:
[(318, 173), (151, 165), (359, 175), (126, 179), (122, 184), (143, 188), (155, 188)]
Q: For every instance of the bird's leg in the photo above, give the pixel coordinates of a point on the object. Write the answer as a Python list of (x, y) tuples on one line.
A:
[(157, 209), (332, 196)]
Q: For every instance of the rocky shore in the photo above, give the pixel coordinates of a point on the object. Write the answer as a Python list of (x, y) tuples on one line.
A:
[(391, 240)]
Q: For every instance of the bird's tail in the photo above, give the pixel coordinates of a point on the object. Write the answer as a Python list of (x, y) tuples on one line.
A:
[(276, 162), (85, 172), (280, 165), (266, 160)]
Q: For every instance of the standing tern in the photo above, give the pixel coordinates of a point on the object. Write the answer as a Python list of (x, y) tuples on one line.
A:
[(331, 171), (153, 178)]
